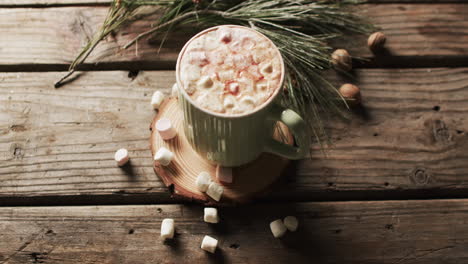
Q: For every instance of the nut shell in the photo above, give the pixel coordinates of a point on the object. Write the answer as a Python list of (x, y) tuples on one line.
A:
[(342, 60), (351, 93), (376, 41)]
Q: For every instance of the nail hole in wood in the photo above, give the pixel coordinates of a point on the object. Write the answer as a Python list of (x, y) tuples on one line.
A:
[(459, 132), (234, 246), (131, 231), (132, 74), (159, 210), (386, 183), (389, 226), (376, 134), (436, 108)]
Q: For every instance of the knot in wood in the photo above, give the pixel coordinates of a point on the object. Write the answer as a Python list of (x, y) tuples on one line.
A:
[(440, 131), (17, 151), (420, 177)]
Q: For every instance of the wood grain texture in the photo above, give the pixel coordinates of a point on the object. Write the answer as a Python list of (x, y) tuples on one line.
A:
[(54, 36), (45, 3), (413, 232), (13, 3), (409, 138)]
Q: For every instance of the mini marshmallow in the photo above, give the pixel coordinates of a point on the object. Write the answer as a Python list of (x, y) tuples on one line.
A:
[(167, 228), (121, 156), (164, 156), (226, 75), (291, 223), (262, 86), (215, 191), (224, 174), (198, 58), (157, 99), (234, 87), (205, 82), (266, 69), (211, 215), (278, 228), (203, 181), (224, 35), (209, 244), (165, 129), (228, 102), (175, 90)]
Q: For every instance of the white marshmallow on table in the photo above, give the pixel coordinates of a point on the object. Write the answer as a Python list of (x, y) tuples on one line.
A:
[(291, 223), (209, 244), (121, 156), (211, 215), (167, 228), (215, 191), (175, 90), (165, 128), (224, 174), (157, 99), (164, 156), (203, 181), (278, 228)]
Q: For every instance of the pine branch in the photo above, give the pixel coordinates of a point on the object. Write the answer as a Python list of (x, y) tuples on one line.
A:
[(299, 28)]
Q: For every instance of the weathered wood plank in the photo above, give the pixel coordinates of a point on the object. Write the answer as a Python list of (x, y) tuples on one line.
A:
[(55, 35), (13, 3), (411, 137), (332, 232)]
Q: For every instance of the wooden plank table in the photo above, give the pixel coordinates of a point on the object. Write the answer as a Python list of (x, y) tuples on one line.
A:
[(392, 189)]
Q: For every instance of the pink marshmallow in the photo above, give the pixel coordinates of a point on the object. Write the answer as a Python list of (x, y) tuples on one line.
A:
[(224, 174), (165, 129)]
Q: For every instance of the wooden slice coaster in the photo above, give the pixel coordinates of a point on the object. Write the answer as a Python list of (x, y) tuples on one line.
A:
[(248, 180)]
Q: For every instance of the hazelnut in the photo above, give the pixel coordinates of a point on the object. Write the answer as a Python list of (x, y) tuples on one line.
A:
[(342, 60), (376, 41), (351, 93)]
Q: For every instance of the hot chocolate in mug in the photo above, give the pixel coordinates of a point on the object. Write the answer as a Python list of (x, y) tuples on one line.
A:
[(230, 78)]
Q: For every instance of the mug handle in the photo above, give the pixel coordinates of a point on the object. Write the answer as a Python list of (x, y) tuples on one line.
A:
[(297, 126)]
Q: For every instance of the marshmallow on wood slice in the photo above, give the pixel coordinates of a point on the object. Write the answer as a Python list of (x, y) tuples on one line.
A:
[(167, 228), (211, 215), (165, 129), (278, 228), (209, 244), (157, 99), (224, 174), (164, 156), (291, 223), (203, 181), (175, 90), (121, 156), (215, 191)]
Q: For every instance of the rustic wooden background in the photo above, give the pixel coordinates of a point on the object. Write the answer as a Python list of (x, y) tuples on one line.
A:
[(391, 189)]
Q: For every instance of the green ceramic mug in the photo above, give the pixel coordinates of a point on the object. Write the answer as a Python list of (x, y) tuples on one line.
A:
[(230, 140)]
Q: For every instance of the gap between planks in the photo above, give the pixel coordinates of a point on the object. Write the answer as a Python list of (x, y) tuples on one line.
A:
[(389, 62)]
